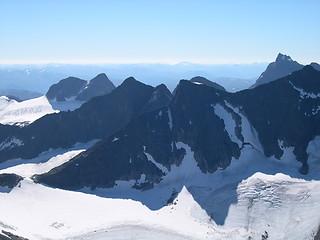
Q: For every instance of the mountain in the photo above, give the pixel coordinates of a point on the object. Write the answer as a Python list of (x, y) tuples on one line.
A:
[(239, 165), (215, 124), (98, 86), (95, 119), (315, 66), (282, 67), (75, 88), (28, 111), (202, 80), (66, 88)]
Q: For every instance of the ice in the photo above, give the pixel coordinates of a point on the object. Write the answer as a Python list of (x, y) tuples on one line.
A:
[(30, 169), (26, 112)]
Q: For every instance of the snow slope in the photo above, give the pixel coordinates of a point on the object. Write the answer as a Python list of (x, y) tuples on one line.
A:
[(277, 205), (26, 112)]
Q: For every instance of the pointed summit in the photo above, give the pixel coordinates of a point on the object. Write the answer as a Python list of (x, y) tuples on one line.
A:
[(283, 58), (282, 67), (98, 86)]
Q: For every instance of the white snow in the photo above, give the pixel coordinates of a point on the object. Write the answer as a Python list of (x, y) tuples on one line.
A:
[(286, 58), (249, 134), (26, 112), (283, 206), (10, 143), (304, 94), (158, 165), (230, 124), (315, 110), (197, 83), (115, 139), (30, 169)]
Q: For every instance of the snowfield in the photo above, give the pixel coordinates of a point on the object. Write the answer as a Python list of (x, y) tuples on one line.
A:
[(228, 204), (26, 112)]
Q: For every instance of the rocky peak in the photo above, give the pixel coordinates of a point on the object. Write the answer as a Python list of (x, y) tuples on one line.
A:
[(65, 89), (283, 66), (283, 58), (98, 86), (202, 80)]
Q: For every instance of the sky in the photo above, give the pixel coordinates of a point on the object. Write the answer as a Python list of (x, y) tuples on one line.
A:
[(166, 31)]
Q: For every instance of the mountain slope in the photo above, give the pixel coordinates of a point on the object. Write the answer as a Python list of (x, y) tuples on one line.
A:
[(98, 86), (66, 88), (216, 125), (24, 113), (75, 88), (290, 116), (93, 120), (202, 80), (282, 67)]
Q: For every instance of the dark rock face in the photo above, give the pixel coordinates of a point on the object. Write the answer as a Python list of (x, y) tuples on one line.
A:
[(9, 180), (317, 236), (95, 119), (195, 124), (207, 82), (98, 86), (128, 153), (282, 67), (80, 89), (161, 97), (285, 110), (9, 236), (65, 89), (278, 111)]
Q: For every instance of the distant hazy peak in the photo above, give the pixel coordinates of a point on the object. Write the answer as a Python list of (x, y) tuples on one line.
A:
[(283, 66)]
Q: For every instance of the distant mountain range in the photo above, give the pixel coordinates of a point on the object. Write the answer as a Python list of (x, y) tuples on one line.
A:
[(40, 77)]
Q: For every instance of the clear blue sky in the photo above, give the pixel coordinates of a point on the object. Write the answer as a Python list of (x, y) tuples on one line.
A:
[(166, 31)]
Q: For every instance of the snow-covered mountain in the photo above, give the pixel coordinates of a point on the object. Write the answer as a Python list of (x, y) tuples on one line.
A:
[(23, 113), (67, 95), (26, 112), (201, 164)]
